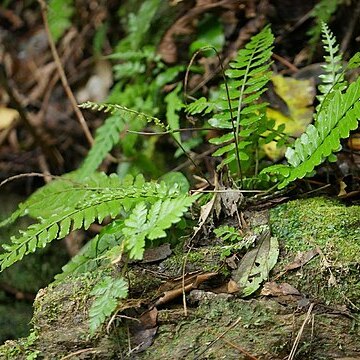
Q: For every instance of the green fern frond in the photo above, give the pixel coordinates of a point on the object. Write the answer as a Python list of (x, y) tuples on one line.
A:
[(151, 223), (201, 105), (228, 234), (107, 294), (79, 205), (173, 106), (108, 134), (59, 17), (333, 78), (333, 123), (248, 76), (112, 108), (322, 13)]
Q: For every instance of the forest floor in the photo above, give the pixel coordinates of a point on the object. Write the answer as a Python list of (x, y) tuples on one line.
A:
[(183, 296)]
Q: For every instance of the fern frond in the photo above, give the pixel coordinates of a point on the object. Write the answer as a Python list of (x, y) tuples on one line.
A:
[(333, 123), (173, 106), (249, 75), (322, 13), (79, 206), (107, 294), (201, 105), (151, 223), (228, 234), (112, 108), (107, 136), (59, 17), (333, 78)]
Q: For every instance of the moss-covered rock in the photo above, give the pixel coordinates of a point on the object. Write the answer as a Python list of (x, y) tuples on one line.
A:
[(332, 277), (223, 325)]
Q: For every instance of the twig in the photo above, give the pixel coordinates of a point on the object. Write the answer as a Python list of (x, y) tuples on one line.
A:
[(285, 62), (38, 137), (63, 78), (298, 336), (239, 348), (82, 351), (218, 338), (32, 174)]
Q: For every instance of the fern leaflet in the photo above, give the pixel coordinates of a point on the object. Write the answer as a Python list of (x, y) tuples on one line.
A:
[(334, 122), (337, 114), (107, 293), (334, 75)]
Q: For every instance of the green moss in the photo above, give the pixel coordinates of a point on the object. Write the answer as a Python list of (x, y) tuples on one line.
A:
[(322, 222), (302, 225), (204, 258)]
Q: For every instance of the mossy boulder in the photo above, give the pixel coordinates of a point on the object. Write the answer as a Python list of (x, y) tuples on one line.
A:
[(224, 325), (332, 277)]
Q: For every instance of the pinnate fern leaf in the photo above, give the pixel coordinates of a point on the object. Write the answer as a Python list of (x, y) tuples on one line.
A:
[(333, 123), (107, 294), (92, 200), (333, 78), (151, 222), (248, 74)]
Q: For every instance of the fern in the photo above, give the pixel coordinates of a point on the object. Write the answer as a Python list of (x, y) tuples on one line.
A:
[(107, 135), (337, 114), (138, 26), (245, 117), (322, 13), (333, 78), (228, 234), (79, 205), (107, 293)]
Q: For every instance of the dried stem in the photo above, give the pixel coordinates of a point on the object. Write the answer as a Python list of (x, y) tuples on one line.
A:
[(63, 78)]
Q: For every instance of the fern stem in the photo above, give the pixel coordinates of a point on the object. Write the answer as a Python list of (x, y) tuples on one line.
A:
[(228, 99)]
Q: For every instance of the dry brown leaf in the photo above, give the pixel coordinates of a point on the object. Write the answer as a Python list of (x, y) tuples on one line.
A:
[(274, 289), (144, 331), (156, 254), (301, 259), (180, 285)]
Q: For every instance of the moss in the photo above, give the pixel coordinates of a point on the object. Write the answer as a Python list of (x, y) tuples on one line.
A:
[(231, 328), (302, 225), (204, 258)]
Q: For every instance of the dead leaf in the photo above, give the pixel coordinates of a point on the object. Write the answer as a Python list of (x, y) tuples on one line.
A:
[(298, 96), (98, 86), (274, 289), (354, 142), (208, 208), (144, 331), (231, 287), (301, 259), (180, 285), (231, 199), (256, 264)]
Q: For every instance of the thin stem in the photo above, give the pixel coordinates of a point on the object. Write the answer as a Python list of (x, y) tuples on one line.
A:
[(63, 78), (228, 99)]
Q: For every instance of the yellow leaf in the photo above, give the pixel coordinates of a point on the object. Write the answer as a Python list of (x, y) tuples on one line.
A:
[(7, 117), (298, 96)]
